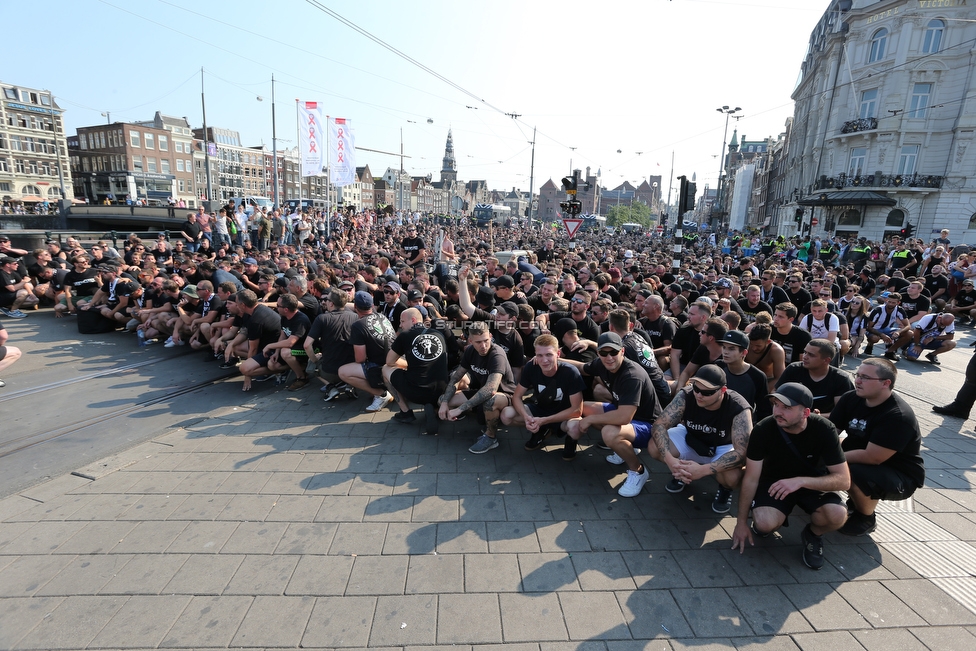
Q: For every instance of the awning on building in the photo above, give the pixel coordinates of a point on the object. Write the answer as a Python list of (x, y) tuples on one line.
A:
[(847, 198)]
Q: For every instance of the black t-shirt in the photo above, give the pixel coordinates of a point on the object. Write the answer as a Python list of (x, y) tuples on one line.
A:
[(712, 428), (213, 304), (826, 391), (629, 386), (411, 245), (686, 339), (375, 332), (299, 326), (868, 286), (552, 393), (891, 425), (638, 349), (588, 327), (799, 299), (912, 306), (331, 331), (6, 279), (263, 326), (528, 341), (703, 356), (309, 306), (752, 385), (536, 303), (966, 298), (751, 312), (192, 229), (82, 284), (661, 330), (119, 288), (818, 444), (161, 256), (426, 353), (793, 342), (479, 368), (511, 342), (935, 283)]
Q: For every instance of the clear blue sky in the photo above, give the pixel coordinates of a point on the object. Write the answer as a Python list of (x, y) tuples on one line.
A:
[(631, 75)]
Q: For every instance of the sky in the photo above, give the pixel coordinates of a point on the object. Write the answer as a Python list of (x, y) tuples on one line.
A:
[(618, 86)]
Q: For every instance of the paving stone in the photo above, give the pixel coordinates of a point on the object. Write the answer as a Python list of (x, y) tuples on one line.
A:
[(60, 507), (410, 538), (511, 537), (711, 613), (610, 535), (657, 534), (602, 571), (950, 638), (204, 574), (547, 573), (43, 538), (533, 508), (248, 508), (779, 643), (824, 608), (878, 605), (436, 508), (342, 622), (404, 620), (702, 644), (930, 602), (389, 508), (365, 538), (10, 531), (294, 508), (593, 616), (492, 573), (274, 621), (955, 523), (378, 575), (84, 575), (461, 537), (96, 538), (532, 617), (307, 538), (767, 610), (572, 507), (14, 505), (562, 537), (18, 615), (145, 574), (456, 625), (149, 538), (487, 508), (201, 507), (73, 624), (889, 640), (262, 575), (202, 537), (157, 483), (655, 570), (25, 575), (462, 483), (254, 538), (141, 622), (153, 507), (320, 575), (706, 568), (638, 645), (56, 487), (415, 483), (441, 574), (757, 566), (866, 562)]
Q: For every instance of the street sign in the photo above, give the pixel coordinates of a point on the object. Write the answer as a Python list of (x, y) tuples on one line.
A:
[(572, 225), (660, 229), (814, 221)]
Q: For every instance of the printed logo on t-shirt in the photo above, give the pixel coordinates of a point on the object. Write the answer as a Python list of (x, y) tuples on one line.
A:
[(427, 347)]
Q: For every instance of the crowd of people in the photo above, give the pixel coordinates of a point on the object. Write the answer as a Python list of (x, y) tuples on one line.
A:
[(718, 363)]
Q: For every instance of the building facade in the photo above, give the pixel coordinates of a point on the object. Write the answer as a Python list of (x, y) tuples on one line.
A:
[(33, 148)]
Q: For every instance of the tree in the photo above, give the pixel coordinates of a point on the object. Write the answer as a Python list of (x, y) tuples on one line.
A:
[(638, 213)]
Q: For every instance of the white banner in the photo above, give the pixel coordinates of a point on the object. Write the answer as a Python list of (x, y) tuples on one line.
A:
[(342, 160), (310, 136)]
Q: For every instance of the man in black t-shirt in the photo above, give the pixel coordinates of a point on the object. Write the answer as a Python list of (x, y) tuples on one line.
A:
[(882, 446), (637, 348), (424, 352), (484, 380), (16, 290), (825, 382), (328, 343), (793, 459), (625, 421), (80, 285), (792, 338), (370, 337), (414, 248), (289, 351), (115, 295), (191, 232), (262, 327), (704, 431), (557, 394)]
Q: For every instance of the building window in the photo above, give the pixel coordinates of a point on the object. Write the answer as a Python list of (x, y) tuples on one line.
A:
[(150, 164), (850, 217), (895, 218), (879, 43), (164, 165), (179, 147), (179, 164), (921, 95), (856, 167), (134, 139), (137, 163), (10, 93), (180, 186), (101, 138), (907, 159), (163, 143), (869, 104), (188, 165), (150, 141), (932, 42)]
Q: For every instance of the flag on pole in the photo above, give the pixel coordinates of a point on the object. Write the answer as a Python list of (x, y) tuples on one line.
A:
[(342, 160), (310, 136)]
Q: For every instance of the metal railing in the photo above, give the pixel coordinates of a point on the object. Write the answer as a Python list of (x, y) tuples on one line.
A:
[(861, 124), (878, 180)]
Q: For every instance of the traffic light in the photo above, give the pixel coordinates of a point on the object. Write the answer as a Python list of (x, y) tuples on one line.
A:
[(682, 192), (572, 207), (798, 216), (690, 190), (569, 184), (907, 231)]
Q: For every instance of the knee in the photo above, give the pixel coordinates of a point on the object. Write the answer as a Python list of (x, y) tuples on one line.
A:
[(508, 415), (611, 434)]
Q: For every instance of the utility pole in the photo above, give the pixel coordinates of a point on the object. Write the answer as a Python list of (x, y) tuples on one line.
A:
[(206, 139)]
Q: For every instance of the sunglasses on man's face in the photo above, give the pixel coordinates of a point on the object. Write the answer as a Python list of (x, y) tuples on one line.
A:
[(704, 392)]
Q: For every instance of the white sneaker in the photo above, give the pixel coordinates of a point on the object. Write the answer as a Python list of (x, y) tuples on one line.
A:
[(380, 401), (616, 460), (634, 483), (173, 344)]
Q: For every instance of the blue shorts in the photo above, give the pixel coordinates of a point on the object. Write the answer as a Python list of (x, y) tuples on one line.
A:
[(642, 430)]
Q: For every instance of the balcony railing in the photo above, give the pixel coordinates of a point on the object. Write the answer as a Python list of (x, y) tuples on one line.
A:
[(878, 180), (863, 124)]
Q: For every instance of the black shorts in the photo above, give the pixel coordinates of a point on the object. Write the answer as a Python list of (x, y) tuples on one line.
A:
[(7, 299), (3, 352), (374, 375), (419, 394), (881, 482), (260, 359), (806, 499)]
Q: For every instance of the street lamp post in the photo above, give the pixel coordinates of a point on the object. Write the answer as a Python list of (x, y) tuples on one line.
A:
[(721, 154)]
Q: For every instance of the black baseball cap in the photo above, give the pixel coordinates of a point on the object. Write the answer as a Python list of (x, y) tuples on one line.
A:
[(710, 376), (792, 394), (609, 340)]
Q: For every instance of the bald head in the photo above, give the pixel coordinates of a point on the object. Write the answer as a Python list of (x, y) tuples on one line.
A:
[(410, 317)]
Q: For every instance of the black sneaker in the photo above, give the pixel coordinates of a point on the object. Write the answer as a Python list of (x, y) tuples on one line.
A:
[(950, 410), (859, 524), (891, 356), (675, 486), (569, 448), (433, 422), (723, 500), (812, 549), (869, 349), (404, 417), (932, 357), (538, 439), (231, 364)]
